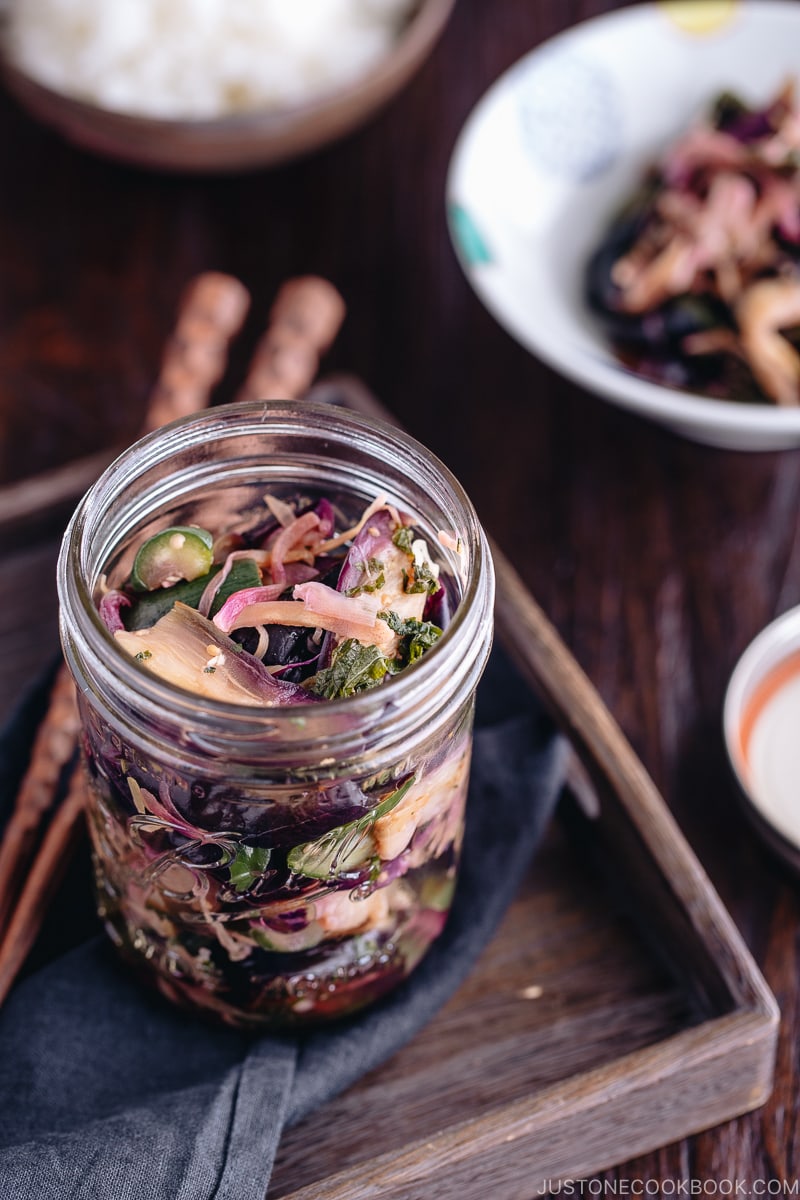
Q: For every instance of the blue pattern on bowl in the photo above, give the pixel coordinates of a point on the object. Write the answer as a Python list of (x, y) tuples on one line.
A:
[(570, 116), (470, 240)]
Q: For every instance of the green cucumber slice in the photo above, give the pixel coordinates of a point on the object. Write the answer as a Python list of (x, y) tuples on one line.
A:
[(289, 943), (180, 552)]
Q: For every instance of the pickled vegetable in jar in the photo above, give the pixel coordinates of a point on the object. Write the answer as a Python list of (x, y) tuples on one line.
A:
[(276, 616)]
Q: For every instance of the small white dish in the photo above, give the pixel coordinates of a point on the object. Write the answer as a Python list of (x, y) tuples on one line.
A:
[(561, 140), (761, 720)]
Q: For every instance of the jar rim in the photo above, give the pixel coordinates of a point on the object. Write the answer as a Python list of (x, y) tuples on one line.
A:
[(78, 606)]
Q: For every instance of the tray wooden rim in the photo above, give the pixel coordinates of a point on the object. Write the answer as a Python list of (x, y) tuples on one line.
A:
[(510, 1128)]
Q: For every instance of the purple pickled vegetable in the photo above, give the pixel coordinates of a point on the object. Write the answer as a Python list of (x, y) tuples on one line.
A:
[(327, 517), (372, 544), (369, 546), (437, 607), (109, 608), (286, 820), (288, 922)]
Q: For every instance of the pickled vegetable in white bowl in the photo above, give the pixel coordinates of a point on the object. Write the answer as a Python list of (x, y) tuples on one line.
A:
[(561, 141)]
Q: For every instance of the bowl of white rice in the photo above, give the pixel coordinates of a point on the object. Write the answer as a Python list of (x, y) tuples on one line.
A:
[(211, 85)]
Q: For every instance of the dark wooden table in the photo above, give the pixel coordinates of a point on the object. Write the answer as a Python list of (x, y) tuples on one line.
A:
[(658, 560)]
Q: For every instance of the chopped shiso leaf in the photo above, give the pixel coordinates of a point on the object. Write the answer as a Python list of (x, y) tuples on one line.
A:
[(354, 668), (403, 538), (248, 866), (343, 850), (180, 552), (416, 636)]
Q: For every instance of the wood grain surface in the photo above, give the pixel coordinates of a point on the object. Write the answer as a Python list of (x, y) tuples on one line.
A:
[(656, 559)]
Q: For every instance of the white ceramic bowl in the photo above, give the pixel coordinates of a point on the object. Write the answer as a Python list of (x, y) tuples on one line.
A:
[(562, 139)]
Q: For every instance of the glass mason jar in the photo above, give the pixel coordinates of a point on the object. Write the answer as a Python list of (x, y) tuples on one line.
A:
[(284, 864)]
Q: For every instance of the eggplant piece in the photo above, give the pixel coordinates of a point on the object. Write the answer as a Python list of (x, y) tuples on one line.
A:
[(602, 294), (294, 647), (660, 334), (150, 607), (300, 816), (186, 649)]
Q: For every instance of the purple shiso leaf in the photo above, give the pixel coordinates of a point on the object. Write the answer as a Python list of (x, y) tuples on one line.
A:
[(109, 608), (437, 608), (288, 922), (750, 127), (373, 541), (753, 124)]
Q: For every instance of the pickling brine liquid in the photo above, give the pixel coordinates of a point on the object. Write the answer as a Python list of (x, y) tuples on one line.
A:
[(268, 905)]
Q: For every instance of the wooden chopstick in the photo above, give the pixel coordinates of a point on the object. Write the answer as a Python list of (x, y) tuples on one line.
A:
[(303, 323), (53, 748)]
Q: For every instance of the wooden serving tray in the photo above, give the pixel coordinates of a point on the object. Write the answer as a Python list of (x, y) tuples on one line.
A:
[(616, 1010)]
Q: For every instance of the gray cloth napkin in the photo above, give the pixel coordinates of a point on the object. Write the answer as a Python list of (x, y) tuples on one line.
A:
[(107, 1093)]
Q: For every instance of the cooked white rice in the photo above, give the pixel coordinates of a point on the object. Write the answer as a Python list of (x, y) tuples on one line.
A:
[(200, 58)]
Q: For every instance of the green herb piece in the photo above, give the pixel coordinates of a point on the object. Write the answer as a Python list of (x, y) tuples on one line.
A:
[(403, 538), (248, 866), (374, 578), (354, 668), (727, 108), (415, 636), (143, 655), (342, 850), (150, 607), (421, 579)]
